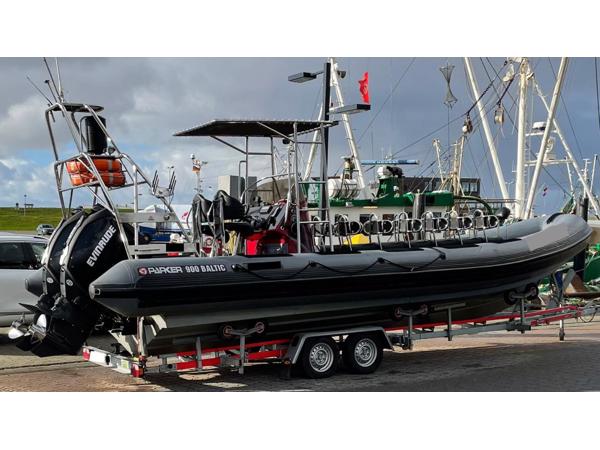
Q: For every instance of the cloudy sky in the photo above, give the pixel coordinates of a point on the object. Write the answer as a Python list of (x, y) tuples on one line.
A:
[(147, 100)]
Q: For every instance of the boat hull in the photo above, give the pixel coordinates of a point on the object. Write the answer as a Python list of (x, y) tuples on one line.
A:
[(184, 299)]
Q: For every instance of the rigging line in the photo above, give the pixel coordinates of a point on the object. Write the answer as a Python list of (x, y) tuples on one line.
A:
[(439, 129), (497, 73), (40, 91), (481, 96), (448, 119), (420, 175), (406, 147), (487, 161), (446, 154), (470, 151), (500, 96), (555, 180), (387, 99), (567, 113), (597, 90), (488, 76), (506, 91), (431, 134)]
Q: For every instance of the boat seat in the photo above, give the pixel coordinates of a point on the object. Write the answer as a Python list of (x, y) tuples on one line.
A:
[(232, 208), (204, 207)]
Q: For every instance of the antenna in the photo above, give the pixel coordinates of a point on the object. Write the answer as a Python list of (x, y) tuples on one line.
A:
[(51, 91), (40, 91), (60, 91), (51, 79)]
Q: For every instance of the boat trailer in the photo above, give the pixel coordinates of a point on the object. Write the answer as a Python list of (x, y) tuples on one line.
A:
[(291, 352)]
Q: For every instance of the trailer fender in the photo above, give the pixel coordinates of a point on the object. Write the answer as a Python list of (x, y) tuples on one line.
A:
[(297, 342)]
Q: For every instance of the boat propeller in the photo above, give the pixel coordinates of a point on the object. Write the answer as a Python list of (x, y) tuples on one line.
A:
[(35, 330), (18, 329)]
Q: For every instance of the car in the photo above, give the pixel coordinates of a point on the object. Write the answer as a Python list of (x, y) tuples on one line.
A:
[(20, 256), (45, 229)]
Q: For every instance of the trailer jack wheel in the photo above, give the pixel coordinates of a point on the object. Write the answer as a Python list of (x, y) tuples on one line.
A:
[(362, 353), (320, 357)]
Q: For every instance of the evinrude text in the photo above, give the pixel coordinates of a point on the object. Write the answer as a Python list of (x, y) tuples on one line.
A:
[(98, 249)]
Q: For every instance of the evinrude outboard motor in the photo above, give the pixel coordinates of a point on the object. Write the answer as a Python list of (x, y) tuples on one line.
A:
[(83, 247)]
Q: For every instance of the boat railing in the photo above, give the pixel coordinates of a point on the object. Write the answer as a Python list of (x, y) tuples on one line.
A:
[(405, 229), (101, 190)]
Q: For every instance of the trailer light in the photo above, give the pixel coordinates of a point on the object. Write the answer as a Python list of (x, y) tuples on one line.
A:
[(173, 254), (86, 354), (137, 371)]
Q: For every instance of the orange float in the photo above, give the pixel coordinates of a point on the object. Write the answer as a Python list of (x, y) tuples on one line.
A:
[(102, 164), (110, 179), (110, 170)]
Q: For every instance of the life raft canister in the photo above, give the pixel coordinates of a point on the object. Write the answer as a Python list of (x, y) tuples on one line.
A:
[(110, 170)]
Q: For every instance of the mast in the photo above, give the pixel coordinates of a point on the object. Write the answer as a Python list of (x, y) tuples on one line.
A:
[(346, 121), (522, 122), (457, 166), (543, 145), (486, 129), (573, 161), (335, 83), (438, 151), (313, 148)]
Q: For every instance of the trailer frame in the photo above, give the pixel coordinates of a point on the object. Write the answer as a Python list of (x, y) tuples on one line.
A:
[(287, 351)]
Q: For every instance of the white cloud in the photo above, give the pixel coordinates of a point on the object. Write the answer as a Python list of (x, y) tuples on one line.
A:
[(147, 100), (18, 123)]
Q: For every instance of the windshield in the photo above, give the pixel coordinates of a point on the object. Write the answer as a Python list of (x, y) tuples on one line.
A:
[(38, 251)]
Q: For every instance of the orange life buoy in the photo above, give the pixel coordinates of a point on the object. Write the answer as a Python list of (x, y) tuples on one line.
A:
[(102, 164), (111, 179)]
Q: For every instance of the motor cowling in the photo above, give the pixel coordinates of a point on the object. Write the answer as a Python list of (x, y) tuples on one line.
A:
[(82, 249)]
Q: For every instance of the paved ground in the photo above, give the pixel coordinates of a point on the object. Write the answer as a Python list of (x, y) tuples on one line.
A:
[(499, 361)]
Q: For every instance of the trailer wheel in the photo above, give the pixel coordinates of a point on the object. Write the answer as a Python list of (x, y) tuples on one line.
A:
[(320, 357), (362, 353)]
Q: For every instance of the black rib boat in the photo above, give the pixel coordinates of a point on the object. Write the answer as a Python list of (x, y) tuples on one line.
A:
[(184, 297), (280, 273), (312, 291)]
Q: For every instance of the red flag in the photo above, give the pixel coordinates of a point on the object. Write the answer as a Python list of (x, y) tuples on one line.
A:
[(364, 87)]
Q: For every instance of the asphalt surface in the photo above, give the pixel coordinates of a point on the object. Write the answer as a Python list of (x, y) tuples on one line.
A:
[(499, 361)]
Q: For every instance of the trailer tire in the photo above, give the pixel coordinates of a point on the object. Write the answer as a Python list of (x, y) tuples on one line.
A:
[(362, 353), (319, 357)]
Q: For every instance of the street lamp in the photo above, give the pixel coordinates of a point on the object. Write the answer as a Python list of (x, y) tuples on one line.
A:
[(307, 76), (351, 109), (24, 203), (303, 77)]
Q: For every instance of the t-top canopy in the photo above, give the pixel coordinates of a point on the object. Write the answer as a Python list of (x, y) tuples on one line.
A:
[(75, 107), (254, 128)]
